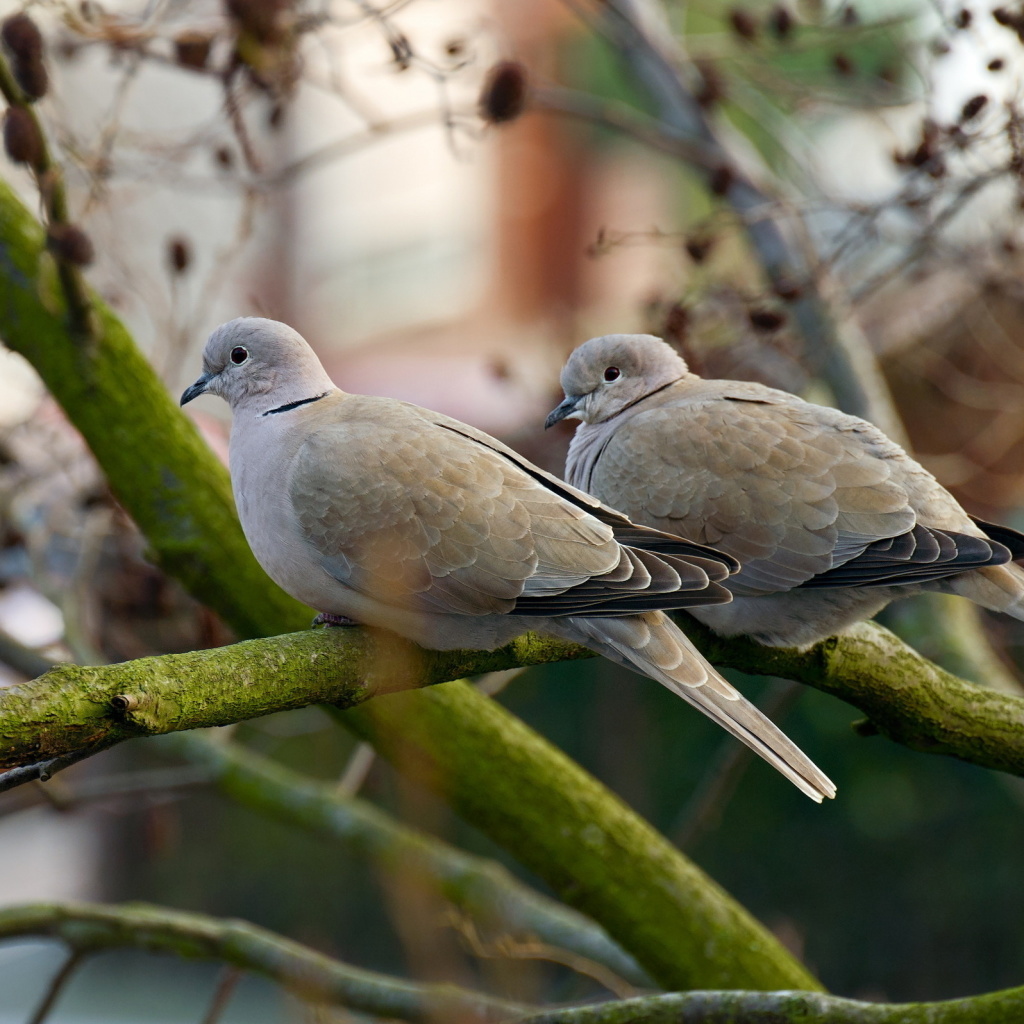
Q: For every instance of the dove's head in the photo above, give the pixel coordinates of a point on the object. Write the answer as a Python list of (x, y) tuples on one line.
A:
[(606, 375), (262, 363)]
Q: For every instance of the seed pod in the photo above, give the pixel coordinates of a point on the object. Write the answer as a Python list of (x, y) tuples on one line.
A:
[(70, 244), (698, 247), (33, 78), (677, 323), (721, 179), (766, 320), (996, 64), (225, 157), (711, 88), (743, 23), (503, 97), (179, 255), (781, 22), (973, 107), (963, 18), (22, 37), (192, 50), (843, 64), (22, 138), (24, 42)]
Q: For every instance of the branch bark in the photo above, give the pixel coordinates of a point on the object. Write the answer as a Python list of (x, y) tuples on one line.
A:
[(1006, 1007), (478, 887), (91, 928), (906, 697)]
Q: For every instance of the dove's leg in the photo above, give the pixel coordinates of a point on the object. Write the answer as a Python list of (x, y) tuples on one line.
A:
[(330, 619)]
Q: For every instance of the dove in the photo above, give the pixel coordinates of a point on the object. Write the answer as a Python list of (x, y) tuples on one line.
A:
[(381, 513), (829, 518)]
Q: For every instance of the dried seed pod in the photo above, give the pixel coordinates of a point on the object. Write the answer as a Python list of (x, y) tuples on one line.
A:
[(192, 50), (22, 37), (179, 255), (720, 180), (973, 107), (33, 78), (781, 22), (504, 94), (22, 138), (996, 64), (711, 87), (225, 157), (263, 20), (698, 247), (963, 18), (70, 244), (766, 320), (24, 42), (843, 65), (743, 23), (677, 323)]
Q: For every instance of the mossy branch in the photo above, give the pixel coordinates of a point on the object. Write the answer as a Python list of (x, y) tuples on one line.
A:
[(1006, 1007), (476, 886), (71, 707), (91, 928), (313, 977)]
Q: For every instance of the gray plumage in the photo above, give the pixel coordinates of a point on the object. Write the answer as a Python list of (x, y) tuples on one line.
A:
[(829, 518), (401, 518)]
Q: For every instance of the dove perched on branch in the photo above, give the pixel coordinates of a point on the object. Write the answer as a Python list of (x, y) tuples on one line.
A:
[(377, 511), (829, 518)]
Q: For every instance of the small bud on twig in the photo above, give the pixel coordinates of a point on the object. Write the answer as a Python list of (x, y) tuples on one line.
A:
[(743, 23), (503, 97), (766, 320), (22, 138), (192, 50), (179, 255), (973, 107), (781, 22), (70, 243), (24, 42)]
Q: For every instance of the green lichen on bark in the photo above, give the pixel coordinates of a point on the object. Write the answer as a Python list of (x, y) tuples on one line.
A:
[(1006, 1007)]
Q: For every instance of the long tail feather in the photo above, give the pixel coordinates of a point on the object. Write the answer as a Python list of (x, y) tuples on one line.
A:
[(654, 646)]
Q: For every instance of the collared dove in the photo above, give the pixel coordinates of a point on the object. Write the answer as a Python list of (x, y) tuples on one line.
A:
[(830, 519), (384, 513)]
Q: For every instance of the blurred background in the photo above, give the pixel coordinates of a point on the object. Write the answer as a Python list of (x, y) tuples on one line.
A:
[(445, 197)]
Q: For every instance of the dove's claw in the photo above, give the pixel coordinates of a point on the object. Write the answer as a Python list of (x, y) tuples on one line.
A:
[(330, 619)]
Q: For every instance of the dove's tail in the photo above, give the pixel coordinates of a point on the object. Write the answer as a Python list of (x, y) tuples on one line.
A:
[(654, 646), (1000, 588)]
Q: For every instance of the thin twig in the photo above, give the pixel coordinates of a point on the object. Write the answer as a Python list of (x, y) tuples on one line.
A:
[(228, 982), (50, 182), (60, 980)]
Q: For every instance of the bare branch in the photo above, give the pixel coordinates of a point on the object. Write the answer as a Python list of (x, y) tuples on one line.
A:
[(90, 928)]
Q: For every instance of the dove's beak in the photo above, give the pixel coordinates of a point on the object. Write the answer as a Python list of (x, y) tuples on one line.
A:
[(197, 389), (566, 408)]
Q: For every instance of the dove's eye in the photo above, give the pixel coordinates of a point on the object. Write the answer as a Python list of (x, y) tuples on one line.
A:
[(612, 373), (239, 355)]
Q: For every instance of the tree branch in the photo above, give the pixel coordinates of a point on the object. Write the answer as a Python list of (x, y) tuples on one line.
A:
[(1006, 1007), (478, 887), (91, 928), (906, 697)]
